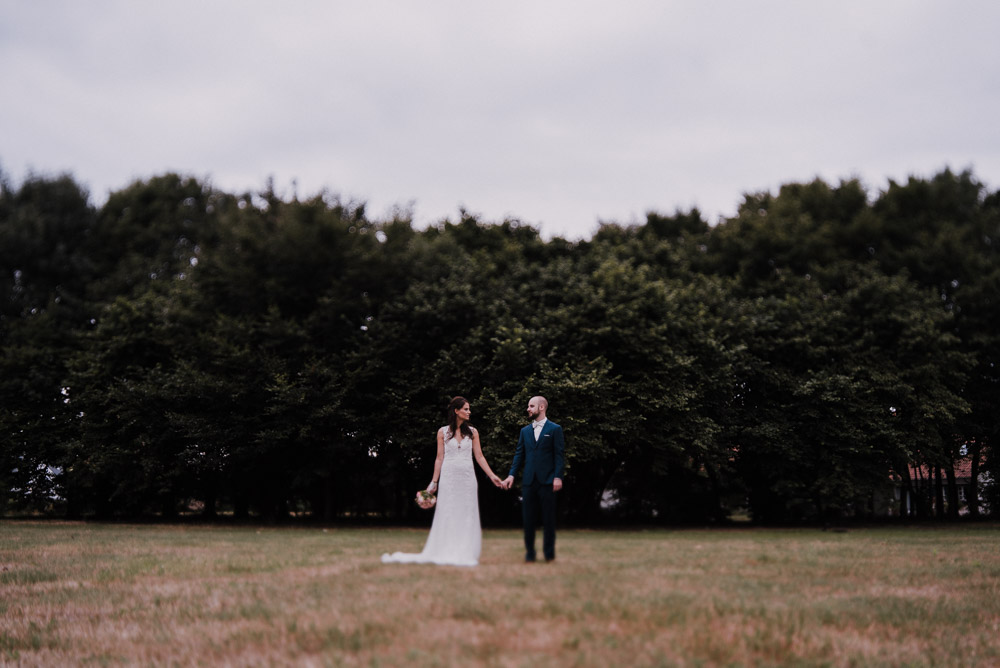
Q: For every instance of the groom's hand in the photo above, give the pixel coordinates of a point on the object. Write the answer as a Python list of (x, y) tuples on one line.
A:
[(507, 482), (556, 484)]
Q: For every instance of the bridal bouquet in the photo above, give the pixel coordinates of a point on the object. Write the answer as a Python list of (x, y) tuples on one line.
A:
[(426, 499)]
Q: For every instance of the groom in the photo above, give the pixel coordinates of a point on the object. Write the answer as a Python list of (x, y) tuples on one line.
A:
[(540, 448)]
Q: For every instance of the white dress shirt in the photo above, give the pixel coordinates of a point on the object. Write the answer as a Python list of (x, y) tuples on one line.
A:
[(537, 425)]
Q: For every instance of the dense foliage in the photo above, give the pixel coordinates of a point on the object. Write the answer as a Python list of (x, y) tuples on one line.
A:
[(181, 349)]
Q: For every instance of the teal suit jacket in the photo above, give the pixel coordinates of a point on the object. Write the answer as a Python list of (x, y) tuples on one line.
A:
[(543, 459)]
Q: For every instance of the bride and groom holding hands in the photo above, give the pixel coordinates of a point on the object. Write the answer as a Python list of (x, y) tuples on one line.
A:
[(456, 535)]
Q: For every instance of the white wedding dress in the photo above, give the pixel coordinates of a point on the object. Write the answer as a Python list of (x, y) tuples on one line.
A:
[(456, 537)]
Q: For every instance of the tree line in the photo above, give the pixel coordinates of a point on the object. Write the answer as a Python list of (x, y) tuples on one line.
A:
[(827, 353)]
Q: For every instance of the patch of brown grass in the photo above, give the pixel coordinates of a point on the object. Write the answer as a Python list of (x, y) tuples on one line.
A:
[(127, 595)]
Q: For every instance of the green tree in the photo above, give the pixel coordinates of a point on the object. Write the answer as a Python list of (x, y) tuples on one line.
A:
[(44, 271)]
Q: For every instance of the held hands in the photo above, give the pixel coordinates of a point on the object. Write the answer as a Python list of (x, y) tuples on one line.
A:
[(496, 480), (508, 482)]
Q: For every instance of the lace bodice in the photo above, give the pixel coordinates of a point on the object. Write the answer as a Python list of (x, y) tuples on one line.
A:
[(455, 447)]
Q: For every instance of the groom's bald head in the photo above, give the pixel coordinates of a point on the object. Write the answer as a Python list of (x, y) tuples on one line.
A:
[(537, 407)]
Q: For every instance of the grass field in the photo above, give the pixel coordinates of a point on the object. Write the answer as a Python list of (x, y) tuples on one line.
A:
[(98, 594)]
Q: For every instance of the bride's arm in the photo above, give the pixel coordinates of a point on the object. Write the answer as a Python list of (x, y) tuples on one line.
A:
[(437, 462), (477, 450)]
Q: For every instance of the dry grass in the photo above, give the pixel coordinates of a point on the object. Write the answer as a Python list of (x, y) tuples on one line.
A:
[(82, 594)]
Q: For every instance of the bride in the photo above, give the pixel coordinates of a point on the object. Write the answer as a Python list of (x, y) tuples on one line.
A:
[(456, 537)]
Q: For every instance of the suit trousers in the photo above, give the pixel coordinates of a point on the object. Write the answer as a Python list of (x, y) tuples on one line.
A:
[(537, 496)]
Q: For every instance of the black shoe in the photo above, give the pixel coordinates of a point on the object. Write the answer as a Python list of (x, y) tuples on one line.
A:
[(529, 559)]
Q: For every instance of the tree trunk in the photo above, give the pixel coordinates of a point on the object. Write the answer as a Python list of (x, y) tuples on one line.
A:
[(938, 493), (905, 492), (209, 512), (168, 508), (973, 493), (329, 500), (241, 507), (717, 513), (952, 487), (922, 494)]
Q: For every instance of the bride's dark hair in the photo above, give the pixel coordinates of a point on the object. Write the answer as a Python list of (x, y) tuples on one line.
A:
[(455, 404)]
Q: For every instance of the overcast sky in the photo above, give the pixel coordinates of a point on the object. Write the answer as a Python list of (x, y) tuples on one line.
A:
[(558, 113)]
